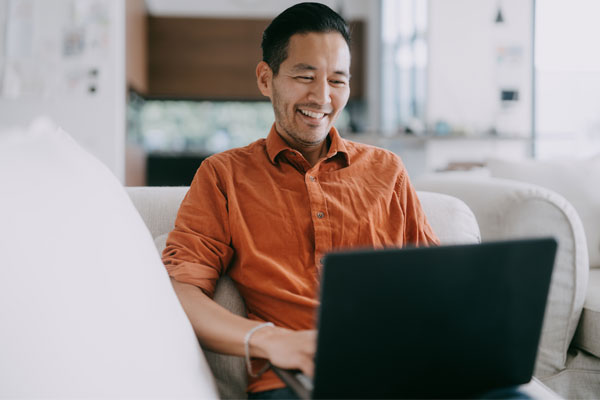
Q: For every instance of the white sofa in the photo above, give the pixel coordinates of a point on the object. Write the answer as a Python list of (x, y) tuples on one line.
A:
[(503, 209), (86, 306), (568, 360)]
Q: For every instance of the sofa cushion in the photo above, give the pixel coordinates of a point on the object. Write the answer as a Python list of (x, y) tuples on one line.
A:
[(450, 218), (86, 305), (158, 207), (576, 180), (587, 336)]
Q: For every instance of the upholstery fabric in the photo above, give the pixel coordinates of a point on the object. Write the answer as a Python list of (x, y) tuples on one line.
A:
[(588, 333), (229, 371), (157, 206), (581, 378), (86, 307), (577, 180), (449, 217), (508, 209)]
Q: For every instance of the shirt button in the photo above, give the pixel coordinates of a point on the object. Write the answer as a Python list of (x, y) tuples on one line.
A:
[(320, 215), (312, 178)]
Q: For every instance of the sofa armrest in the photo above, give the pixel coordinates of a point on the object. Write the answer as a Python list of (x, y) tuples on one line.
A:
[(508, 209)]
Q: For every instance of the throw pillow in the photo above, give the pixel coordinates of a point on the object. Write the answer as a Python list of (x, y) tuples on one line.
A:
[(86, 306)]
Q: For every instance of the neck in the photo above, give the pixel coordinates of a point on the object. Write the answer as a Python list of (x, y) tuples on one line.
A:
[(314, 153)]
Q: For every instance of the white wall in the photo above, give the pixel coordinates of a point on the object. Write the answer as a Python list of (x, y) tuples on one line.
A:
[(40, 78), (470, 60), (568, 78)]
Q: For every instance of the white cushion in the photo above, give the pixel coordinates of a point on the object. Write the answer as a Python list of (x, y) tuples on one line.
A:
[(450, 218), (576, 180), (86, 306)]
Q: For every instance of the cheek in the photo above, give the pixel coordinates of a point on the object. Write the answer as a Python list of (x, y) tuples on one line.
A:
[(340, 97), (290, 97)]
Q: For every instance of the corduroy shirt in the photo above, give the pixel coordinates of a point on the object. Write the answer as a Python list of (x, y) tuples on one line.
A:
[(265, 217)]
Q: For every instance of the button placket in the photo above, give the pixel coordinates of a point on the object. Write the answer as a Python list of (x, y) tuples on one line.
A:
[(320, 217)]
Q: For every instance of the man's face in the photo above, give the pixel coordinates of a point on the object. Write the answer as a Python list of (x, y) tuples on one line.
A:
[(311, 88)]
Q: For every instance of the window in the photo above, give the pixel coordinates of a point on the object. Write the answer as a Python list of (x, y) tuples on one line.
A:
[(404, 30)]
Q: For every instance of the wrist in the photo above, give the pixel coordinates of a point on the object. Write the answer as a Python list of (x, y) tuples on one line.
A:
[(261, 339), (257, 349)]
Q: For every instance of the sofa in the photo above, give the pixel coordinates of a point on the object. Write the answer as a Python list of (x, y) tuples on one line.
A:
[(559, 198), (497, 209), (87, 308)]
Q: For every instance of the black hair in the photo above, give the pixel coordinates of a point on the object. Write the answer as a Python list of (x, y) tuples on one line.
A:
[(300, 18)]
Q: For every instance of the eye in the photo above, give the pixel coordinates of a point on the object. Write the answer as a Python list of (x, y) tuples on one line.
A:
[(304, 78), (336, 82)]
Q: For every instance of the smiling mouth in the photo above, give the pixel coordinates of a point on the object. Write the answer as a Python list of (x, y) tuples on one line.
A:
[(312, 114)]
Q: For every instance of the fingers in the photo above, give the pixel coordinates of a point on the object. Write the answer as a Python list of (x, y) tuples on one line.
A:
[(308, 365), (308, 368), (293, 350)]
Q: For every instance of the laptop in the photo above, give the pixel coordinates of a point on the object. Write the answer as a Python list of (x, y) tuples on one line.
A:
[(431, 322)]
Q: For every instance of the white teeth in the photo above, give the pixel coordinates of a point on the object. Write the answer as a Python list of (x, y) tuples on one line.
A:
[(312, 114)]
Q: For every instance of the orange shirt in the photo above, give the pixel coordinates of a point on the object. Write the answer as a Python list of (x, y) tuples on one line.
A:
[(264, 216)]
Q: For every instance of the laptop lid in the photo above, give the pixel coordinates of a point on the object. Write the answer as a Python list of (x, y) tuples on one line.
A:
[(447, 321)]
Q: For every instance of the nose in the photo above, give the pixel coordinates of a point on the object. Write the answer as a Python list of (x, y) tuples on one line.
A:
[(320, 92)]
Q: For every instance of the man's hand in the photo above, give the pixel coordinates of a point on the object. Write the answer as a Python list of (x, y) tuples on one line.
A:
[(286, 348), (225, 333)]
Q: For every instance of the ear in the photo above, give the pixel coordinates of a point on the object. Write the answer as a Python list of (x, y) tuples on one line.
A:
[(264, 78)]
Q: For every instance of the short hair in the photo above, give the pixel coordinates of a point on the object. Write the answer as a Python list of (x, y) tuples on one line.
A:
[(300, 18)]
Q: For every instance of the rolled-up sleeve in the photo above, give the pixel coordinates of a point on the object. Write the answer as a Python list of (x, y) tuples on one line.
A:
[(198, 250)]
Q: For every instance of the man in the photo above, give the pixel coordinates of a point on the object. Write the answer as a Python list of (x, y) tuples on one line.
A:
[(265, 214)]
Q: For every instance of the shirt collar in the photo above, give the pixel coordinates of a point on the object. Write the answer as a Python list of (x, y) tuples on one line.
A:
[(276, 145)]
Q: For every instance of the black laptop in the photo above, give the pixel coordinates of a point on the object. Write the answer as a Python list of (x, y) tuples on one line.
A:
[(431, 322)]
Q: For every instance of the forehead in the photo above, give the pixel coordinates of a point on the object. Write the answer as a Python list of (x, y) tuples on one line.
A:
[(326, 50)]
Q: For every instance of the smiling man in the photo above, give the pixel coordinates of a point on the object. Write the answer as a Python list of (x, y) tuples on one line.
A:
[(265, 214), (308, 90)]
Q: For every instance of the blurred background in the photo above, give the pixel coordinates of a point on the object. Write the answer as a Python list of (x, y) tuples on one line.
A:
[(153, 87)]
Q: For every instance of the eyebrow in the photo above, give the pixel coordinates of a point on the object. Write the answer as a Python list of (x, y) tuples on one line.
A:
[(307, 67)]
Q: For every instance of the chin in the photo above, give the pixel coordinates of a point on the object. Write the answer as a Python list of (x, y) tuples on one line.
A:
[(318, 131), (316, 138)]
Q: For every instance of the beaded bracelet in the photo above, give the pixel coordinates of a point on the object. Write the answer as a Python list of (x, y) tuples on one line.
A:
[(247, 350)]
